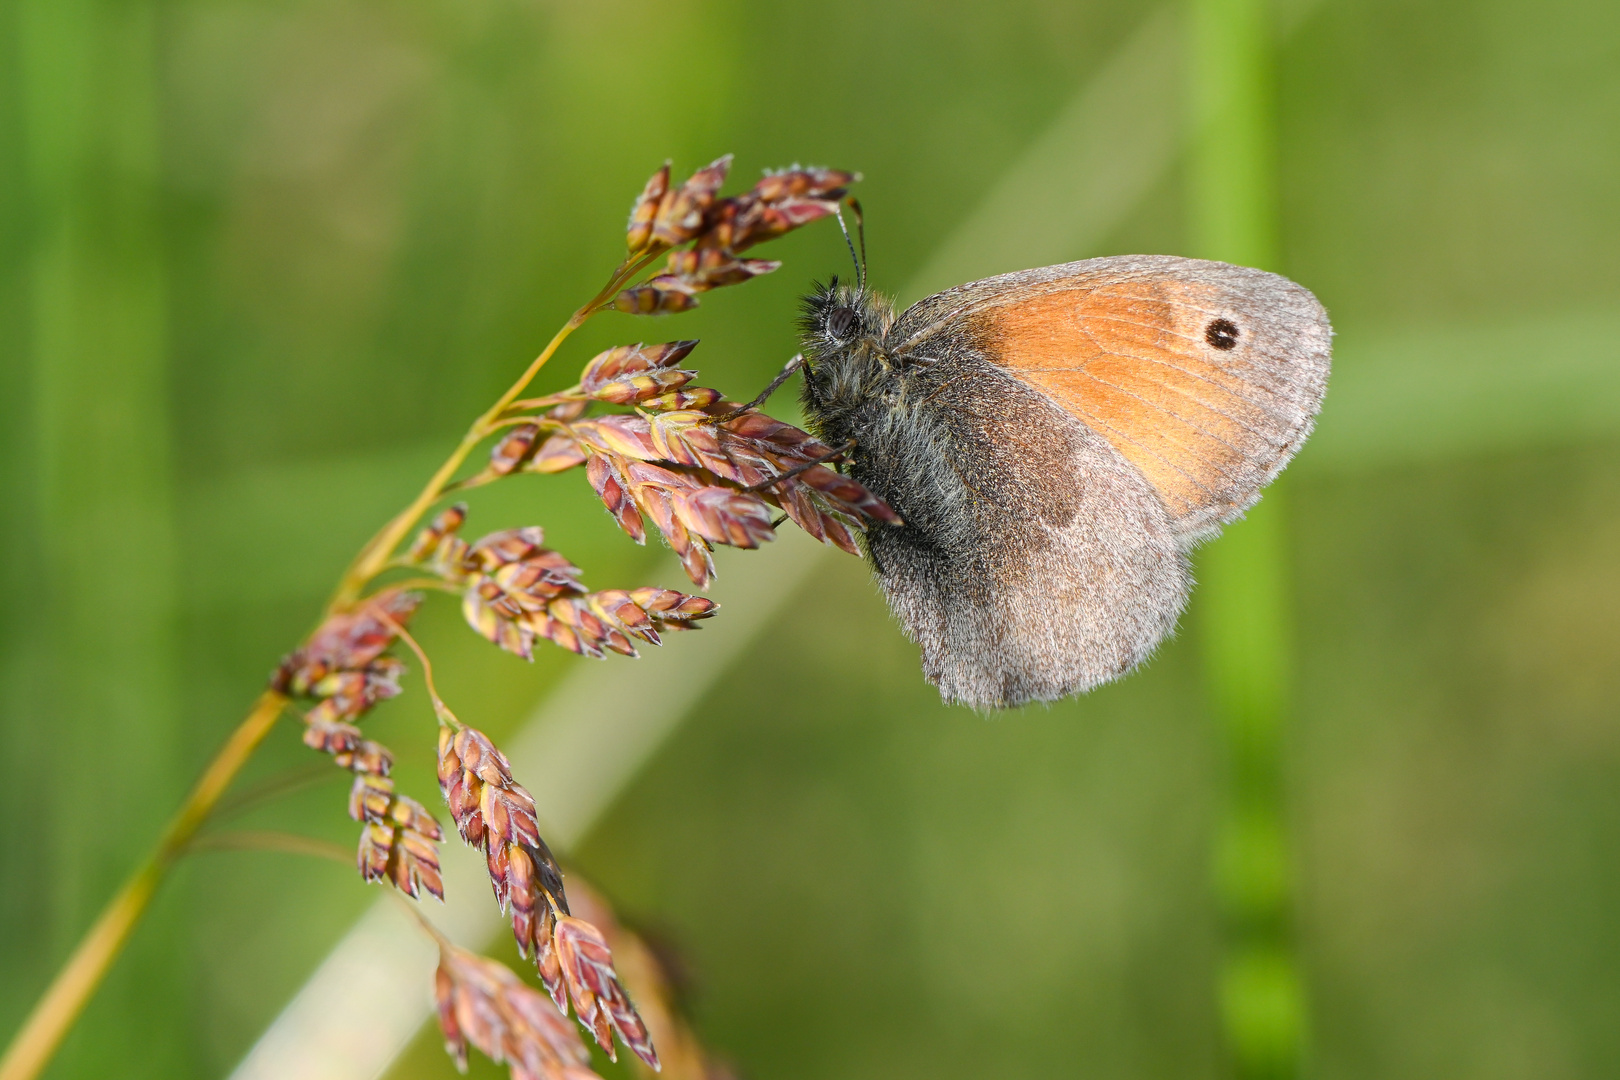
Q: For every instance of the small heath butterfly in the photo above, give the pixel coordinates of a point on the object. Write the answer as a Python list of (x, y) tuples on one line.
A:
[(1056, 441)]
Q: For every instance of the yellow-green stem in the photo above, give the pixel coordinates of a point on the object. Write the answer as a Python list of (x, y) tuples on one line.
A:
[(37, 1040), (374, 557), (46, 1026)]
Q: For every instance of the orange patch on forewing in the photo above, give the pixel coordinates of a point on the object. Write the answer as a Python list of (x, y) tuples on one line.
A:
[(1129, 360)]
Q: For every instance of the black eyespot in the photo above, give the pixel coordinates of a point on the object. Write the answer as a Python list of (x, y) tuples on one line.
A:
[(1222, 334), (841, 322)]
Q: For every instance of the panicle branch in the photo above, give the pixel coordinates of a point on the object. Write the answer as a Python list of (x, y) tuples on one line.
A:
[(484, 1004), (343, 668), (495, 814), (515, 591), (659, 981), (705, 234)]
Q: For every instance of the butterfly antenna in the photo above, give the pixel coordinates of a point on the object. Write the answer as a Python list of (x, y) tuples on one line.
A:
[(860, 232), (860, 271)]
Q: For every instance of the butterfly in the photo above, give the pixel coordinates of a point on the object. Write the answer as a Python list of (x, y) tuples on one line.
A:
[(1057, 441)]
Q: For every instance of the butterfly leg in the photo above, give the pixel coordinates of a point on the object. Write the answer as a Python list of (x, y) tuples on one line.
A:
[(798, 470), (783, 376)]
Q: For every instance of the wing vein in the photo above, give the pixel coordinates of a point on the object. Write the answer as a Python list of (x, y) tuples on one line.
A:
[(1256, 432), (1153, 453), (1269, 410), (1229, 444)]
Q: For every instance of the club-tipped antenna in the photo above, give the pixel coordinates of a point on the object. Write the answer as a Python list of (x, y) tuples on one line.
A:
[(860, 271), (860, 232)]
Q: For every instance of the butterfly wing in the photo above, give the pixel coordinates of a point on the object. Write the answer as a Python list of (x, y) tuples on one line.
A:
[(1204, 376), (1079, 427), (1034, 561)]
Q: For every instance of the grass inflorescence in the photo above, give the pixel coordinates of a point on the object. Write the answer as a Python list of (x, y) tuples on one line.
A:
[(701, 469)]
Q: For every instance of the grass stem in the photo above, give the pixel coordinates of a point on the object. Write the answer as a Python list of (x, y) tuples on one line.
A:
[(65, 999), (31, 1048)]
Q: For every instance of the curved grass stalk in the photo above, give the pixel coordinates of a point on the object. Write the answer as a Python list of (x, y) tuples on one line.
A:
[(64, 1000)]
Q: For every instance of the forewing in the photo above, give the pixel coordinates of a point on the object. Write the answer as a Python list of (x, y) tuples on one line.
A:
[(1204, 376)]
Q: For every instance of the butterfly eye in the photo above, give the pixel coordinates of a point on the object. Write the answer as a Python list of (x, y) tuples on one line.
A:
[(1222, 334), (841, 323)]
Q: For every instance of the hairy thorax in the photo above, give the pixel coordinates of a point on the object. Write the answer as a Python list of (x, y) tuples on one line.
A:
[(860, 389), (927, 423)]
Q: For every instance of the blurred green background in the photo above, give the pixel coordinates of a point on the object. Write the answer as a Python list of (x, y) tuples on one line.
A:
[(261, 262)]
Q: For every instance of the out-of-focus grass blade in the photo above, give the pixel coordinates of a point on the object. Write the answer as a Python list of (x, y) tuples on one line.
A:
[(101, 723), (296, 525), (1111, 143), (1443, 392)]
